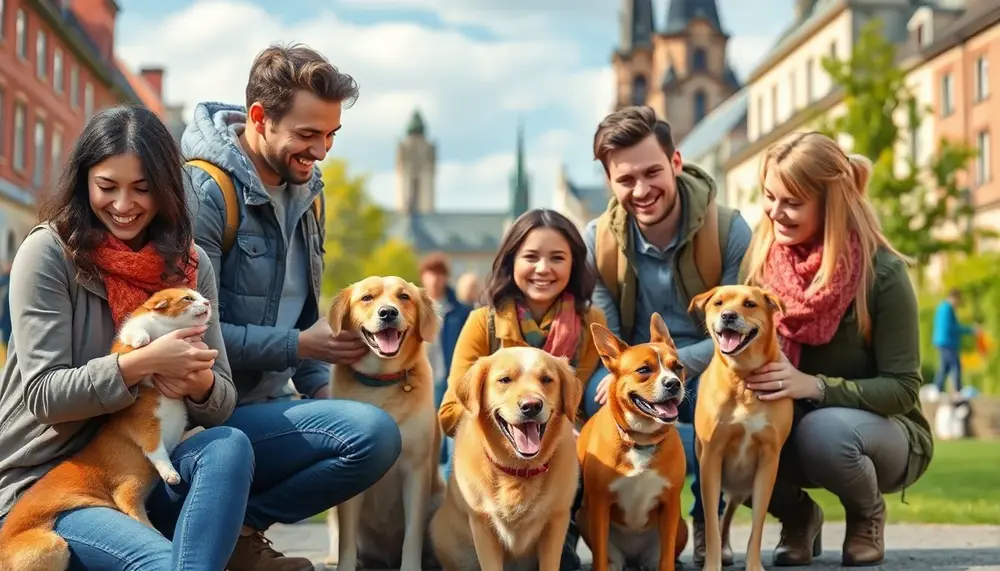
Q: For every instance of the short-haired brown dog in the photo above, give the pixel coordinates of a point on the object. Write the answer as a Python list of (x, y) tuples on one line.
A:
[(632, 457), (739, 437), (515, 474)]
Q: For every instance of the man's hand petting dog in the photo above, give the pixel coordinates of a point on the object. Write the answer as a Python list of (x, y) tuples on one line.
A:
[(780, 380), (318, 342)]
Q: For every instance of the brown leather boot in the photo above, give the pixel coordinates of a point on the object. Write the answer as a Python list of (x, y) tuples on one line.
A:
[(699, 546), (801, 533), (253, 552), (864, 540)]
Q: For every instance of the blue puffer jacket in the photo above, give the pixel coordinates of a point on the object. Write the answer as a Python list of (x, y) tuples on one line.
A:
[(251, 275)]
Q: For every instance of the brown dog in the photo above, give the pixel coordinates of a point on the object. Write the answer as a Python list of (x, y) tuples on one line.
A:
[(739, 437), (632, 457), (385, 526), (515, 475)]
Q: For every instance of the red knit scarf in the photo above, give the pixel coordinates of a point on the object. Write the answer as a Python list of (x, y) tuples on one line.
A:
[(130, 277), (810, 318)]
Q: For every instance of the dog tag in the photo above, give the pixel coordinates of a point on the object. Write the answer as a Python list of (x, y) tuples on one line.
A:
[(407, 388)]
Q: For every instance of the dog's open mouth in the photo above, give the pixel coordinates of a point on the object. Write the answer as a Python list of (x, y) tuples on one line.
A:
[(732, 341), (665, 411), (526, 438), (386, 342)]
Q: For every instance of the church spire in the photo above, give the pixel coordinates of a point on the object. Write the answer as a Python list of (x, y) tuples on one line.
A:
[(682, 12), (636, 25), (519, 186)]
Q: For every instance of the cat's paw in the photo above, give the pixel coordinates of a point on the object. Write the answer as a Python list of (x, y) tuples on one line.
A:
[(135, 337)]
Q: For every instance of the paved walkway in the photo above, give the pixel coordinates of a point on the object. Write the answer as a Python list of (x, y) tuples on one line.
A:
[(913, 547)]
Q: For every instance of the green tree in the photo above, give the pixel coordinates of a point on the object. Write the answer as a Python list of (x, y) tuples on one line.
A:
[(915, 205), (356, 242)]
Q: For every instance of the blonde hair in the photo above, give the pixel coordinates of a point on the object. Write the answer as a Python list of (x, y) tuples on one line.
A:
[(813, 167), (468, 289)]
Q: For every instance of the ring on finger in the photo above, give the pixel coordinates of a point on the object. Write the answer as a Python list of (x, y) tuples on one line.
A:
[(781, 385)]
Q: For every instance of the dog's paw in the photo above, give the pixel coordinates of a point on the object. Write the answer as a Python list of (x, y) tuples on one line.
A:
[(169, 475)]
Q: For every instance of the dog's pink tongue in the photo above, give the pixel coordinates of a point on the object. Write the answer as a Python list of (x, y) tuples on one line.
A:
[(729, 340), (527, 437), (666, 409), (388, 340)]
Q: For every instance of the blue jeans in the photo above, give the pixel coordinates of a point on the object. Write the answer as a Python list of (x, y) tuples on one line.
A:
[(202, 515), (686, 415), (950, 364), (313, 455)]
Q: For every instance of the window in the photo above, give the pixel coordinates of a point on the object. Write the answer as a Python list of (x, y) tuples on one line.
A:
[(56, 153), (3, 18), (700, 105), (792, 99), (983, 174), (809, 80), (57, 70), (982, 78), (947, 95), (19, 135), (833, 50), (699, 60), (639, 90), (922, 39), (40, 153), (21, 33), (41, 54), (760, 116), (774, 105), (88, 100), (74, 87)]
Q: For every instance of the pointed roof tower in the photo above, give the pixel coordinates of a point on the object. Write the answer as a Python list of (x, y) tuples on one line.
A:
[(682, 12), (416, 124), (637, 25), (519, 185)]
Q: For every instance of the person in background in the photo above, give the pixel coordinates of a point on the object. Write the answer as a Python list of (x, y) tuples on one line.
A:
[(314, 453), (468, 289), (5, 325), (948, 333)]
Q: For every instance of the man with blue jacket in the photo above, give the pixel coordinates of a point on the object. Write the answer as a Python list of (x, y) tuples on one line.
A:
[(256, 197), (948, 333)]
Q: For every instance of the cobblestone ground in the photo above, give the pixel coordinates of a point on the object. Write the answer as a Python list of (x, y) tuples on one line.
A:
[(912, 547)]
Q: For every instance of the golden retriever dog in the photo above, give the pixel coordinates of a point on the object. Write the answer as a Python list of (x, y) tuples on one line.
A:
[(515, 470), (739, 437), (385, 526)]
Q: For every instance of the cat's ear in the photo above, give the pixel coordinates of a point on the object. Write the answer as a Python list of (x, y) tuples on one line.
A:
[(161, 304)]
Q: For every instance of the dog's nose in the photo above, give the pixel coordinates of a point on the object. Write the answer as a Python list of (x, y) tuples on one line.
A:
[(530, 408), (387, 312), (672, 385), (729, 316)]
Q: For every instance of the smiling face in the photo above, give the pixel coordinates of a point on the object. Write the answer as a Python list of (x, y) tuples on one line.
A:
[(740, 319), (120, 198), (644, 180), (391, 315), (291, 145), (517, 393), (648, 378), (796, 219), (542, 266)]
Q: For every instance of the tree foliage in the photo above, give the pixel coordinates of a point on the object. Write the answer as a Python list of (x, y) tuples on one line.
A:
[(356, 242), (915, 202)]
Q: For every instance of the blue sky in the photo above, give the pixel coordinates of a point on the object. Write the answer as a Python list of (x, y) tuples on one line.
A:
[(473, 68)]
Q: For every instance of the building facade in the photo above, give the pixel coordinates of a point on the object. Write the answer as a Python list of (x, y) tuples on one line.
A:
[(57, 67)]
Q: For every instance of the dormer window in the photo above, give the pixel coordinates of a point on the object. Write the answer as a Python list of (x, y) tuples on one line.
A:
[(699, 60)]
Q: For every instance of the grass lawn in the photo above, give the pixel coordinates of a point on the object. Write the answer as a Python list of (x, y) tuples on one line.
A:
[(955, 489)]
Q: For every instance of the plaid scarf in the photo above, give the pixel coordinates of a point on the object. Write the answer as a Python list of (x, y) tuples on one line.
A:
[(559, 331)]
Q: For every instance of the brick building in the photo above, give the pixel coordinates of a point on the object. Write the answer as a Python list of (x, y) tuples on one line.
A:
[(57, 67)]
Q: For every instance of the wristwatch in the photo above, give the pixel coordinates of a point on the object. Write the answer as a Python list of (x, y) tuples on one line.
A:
[(821, 384)]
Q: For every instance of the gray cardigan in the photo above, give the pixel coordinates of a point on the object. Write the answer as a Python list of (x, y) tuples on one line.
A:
[(59, 378)]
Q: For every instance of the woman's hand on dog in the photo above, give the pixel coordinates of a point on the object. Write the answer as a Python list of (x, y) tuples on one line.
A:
[(318, 342), (780, 380)]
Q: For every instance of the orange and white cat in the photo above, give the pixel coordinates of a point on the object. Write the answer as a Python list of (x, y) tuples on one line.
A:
[(119, 467)]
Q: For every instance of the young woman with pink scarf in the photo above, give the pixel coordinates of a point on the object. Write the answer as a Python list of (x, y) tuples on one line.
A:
[(851, 348), (538, 295)]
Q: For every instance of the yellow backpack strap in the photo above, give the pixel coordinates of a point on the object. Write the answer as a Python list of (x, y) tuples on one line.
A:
[(606, 253), (229, 196), (707, 255), (318, 209)]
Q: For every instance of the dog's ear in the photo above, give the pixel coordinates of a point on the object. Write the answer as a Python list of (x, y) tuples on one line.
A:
[(701, 300), (570, 388), (340, 311), (469, 390), (609, 347), (773, 302), (428, 318), (658, 332)]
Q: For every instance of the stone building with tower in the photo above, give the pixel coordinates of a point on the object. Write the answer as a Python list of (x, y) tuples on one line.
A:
[(469, 239), (680, 70)]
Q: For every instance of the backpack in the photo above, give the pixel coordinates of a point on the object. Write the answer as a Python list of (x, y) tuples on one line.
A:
[(232, 207)]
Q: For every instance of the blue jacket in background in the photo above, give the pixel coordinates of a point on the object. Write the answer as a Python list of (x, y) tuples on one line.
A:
[(452, 324), (948, 331)]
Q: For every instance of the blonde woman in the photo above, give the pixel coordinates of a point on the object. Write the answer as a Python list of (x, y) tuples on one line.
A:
[(851, 348)]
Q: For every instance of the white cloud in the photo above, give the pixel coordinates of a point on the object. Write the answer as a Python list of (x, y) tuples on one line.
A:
[(468, 89)]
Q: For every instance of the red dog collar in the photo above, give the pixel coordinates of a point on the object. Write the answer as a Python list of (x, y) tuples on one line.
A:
[(520, 472)]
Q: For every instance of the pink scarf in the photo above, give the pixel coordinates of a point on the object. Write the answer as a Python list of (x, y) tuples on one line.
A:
[(810, 318)]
